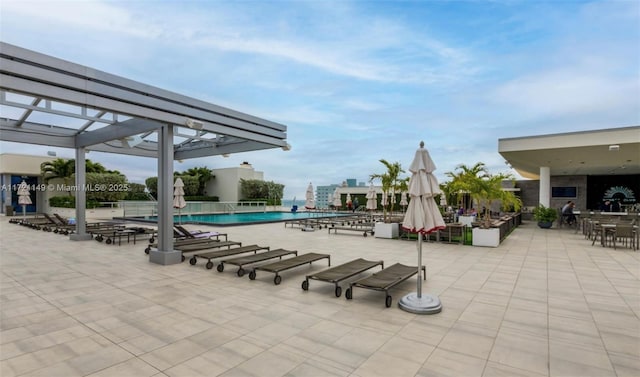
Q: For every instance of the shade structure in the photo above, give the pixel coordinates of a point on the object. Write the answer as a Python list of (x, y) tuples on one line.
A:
[(337, 202), (24, 197), (178, 197), (372, 199), (310, 202), (422, 217)]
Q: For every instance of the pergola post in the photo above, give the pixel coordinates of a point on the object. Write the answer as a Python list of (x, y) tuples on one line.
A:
[(165, 254), (81, 198)]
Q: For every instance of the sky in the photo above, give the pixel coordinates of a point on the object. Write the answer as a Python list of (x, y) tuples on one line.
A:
[(357, 81)]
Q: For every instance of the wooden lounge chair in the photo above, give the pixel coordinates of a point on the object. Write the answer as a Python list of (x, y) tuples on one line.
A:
[(259, 257), (339, 273), (385, 280), (225, 253), (289, 263)]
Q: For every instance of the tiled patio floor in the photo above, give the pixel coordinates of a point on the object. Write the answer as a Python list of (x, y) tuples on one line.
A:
[(545, 303)]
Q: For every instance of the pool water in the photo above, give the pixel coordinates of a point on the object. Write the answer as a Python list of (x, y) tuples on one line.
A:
[(248, 217)]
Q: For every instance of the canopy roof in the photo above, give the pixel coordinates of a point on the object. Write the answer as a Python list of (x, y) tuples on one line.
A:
[(600, 152), (49, 101)]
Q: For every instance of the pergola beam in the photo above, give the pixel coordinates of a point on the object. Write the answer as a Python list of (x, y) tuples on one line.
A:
[(116, 131)]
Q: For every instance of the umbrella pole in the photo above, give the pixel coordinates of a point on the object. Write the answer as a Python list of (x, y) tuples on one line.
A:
[(419, 264), (24, 210)]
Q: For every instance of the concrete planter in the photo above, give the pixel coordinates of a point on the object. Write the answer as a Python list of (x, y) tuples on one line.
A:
[(486, 237), (387, 230)]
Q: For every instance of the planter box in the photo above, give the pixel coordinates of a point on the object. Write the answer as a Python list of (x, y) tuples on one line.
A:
[(486, 237), (466, 220), (387, 230)]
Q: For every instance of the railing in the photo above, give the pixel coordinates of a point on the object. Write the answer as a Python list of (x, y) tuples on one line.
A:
[(149, 208)]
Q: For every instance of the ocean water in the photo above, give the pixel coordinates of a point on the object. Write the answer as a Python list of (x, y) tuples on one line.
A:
[(290, 203)]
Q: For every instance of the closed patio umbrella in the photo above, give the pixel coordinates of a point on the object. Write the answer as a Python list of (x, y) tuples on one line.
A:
[(24, 197), (372, 199), (310, 202), (422, 217), (337, 202), (403, 200), (348, 200), (178, 197)]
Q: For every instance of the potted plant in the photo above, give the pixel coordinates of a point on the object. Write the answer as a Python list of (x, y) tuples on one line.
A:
[(544, 216), (485, 189), (391, 184)]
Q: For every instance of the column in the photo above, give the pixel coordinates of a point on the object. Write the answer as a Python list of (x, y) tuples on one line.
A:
[(81, 198), (165, 254), (545, 186)]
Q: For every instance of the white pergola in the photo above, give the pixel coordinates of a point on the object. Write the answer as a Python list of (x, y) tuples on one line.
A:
[(48, 101)]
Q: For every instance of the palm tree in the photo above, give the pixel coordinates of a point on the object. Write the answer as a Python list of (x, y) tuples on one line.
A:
[(391, 183), (203, 174), (58, 168), (484, 188), (457, 186)]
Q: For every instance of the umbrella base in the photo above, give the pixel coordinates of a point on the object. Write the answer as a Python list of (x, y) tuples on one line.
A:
[(427, 304)]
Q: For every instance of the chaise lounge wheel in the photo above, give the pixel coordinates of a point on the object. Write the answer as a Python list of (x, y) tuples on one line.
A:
[(348, 294), (209, 265), (364, 234), (305, 285), (277, 280), (220, 267), (240, 272), (147, 250), (108, 241), (338, 291), (387, 301), (252, 275), (99, 238), (183, 258), (151, 240), (193, 261)]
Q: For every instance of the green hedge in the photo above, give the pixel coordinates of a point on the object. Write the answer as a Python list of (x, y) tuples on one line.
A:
[(197, 198), (70, 202)]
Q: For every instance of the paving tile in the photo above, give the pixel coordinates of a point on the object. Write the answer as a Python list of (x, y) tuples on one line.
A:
[(445, 363), (493, 369), (566, 358), (541, 304), (521, 350), (470, 340)]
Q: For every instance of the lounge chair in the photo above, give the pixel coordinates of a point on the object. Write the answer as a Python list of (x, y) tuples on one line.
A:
[(211, 244), (286, 264), (225, 253), (385, 280), (179, 242), (362, 228), (339, 273), (259, 257), (110, 233), (198, 234)]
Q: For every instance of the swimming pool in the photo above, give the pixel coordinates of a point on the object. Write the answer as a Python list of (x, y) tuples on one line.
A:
[(246, 217)]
